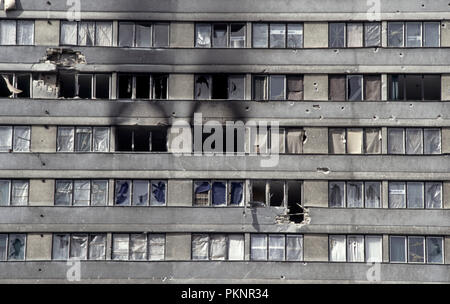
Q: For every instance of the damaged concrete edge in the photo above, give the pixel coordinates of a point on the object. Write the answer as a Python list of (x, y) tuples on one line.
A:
[(9, 5)]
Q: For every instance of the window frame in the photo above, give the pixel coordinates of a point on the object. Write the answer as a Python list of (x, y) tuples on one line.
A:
[(422, 31), (363, 191), (72, 181), (131, 192), (267, 247), (78, 24), (10, 192)]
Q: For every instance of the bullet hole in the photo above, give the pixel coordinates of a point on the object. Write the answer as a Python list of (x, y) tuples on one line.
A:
[(323, 170), (375, 117), (43, 164), (316, 106), (423, 5), (39, 269), (401, 54), (42, 235), (439, 116), (47, 112), (49, 22), (49, 3), (247, 108), (43, 180), (315, 84), (173, 113), (410, 105), (307, 110), (342, 108), (283, 277), (320, 117), (42, 215), (46, 127)]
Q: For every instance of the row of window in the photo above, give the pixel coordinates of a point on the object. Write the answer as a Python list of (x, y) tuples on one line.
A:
[(223, 86), (16, 32)]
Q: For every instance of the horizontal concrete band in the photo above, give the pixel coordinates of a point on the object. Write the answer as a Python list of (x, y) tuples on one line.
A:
[(225, 220), (434, 60), (109, 112), (118, 165), (221, 272)]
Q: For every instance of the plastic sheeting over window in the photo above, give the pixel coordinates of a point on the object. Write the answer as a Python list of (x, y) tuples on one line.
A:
[(68, 33), (435, 250), (219, 193), (396, 141), (337, 35), (294, 87), (218, 247), (395, 34), (65, 140), (138, 247), (61, 246), (355, 195), (236, 247), (7, 32), (22, 139), (86, 33), (372, 34), (336, 194), (277, 35), (97, 247), (295, 35), (355, 248), (5, 138), (372, 194), (432, 141), (200, 247), (374, 249), (82, 192), (258, 247), (433, 195), (25, 32), (260, 35), (101, 139), (354, 35), (337, 141), (16, 247), (203, 34), (120, 248), (158, 193), (99, 194), (140, 192), (277, 245), (63, 193), (83, 139), (294, 247), (103, 34), (294, 139), (414, 192), (19, 193), (414, 141), (156, 251), (355, 141), (5, 186), (397, 195), (123, 190), (372, 141), (354, 87), (78, 247), (372, 88), (337, 248)]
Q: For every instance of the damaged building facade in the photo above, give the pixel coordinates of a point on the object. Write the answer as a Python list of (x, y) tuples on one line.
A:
[(91, 189)]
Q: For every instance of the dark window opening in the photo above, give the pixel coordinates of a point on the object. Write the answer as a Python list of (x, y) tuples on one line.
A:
[(23, 84), (85, 86), (141, 139), (67, 85), (159, 140), (276, 190), (4, 91), (102, 84), (294, 202), (220, 87), (414, 87), (432, 87), (143, 87), (258, 193), (125, 86), (160, 87)]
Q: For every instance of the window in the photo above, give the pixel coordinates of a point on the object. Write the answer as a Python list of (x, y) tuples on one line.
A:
[(414, 87), (354, 87), (220, 35), (278, 87), (417, 195), (81, 192), (140, 193), (143, 34), (83, 139), (354, 141), (277, 35), (219, 193), (15, 138), (14, 192), (85, 86), (416, 249), (216, 247), (12, 247), (355, 248), (79, 246), (141, 139), (355, 34), (139, 246), (220, 86), (413, 34), (15, 85), (16, 32), (276, 247), (354, 194), (275, 193), (86, 33), (414, 141), (142, 86)]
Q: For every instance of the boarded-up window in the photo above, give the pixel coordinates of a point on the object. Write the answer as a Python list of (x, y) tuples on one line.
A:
[(336, 194), (337, 248), (336, 141), (397, 195), (294, 87), (372, 88), (372, 141), (337, 87), (355, 141), (354, 35), (414, 141), (336, 35), (372, 34), (396, 141), (414, 192)]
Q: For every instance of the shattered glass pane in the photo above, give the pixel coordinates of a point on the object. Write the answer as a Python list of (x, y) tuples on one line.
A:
[(416, 249), (276, 247), (22, 139), (63, 193), (355, 248), (435, 250), (65, 139), (203, 35), (397, 195), (138, 247), (81, 193), (7, 32), (103, 34), (97, 247), (25, 32), (3, 247), (202, 87), (19, 192), (372, 34), (200, 246), (123, 189), (236, 87), (86, 33), (218, 247), (68, 33), (374, 249), (413, 34), (277, 35), (126, 34), (337, 35), (398, 249), (432, 141), (156, 249), (101, 139), (99, 192), (395, 34), (258, 247), (78, 247), (5, 139), (158, 194), (372, 141), (295, 35), (5, 186), (354, 35), (373, 194), (83, 139), (337, 248), (277, 87), (237, 193), (431, 34), (336, 194), (237, 35), (16, 248), (294, 247), (414, 141), (61, 246), (433, 195), (143, 35), (235, 247), (219, 194), (161, 35), (395, 141), (120, 248), (140, 192), (354, 88), (260, 35), (220, 35), (414, 194), (355, 195)]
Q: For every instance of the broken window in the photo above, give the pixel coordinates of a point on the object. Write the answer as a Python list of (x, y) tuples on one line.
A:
[(141, 139), (140, 192), (97, 247), (374, 249), (61, 246), (414, 141), (67, 85), (7, 32), (337, 248), (372, 88), (354, 87), (200, 246), (259, 88), (78, 246), (258, 243), (277, 35), (120, 248), (14, 192), (16, 247), (235, 247), (372, 194), (295, 35), (259, 193), (355, 248), (236, 87), (396, 141), (372, 34), (337, 87), (6, 81), (260, 35), (355, 198), (203, 87), (294, 201), (435, 250), (416, 249), (354, 35), (84, 87), (237, 35), (142, 86), (277, 246), (415, 87), (138, 247), (294, 87), (143, 192), (337, 141), (25, 32), (432, 141), (159, 86), (397, 195), (276, 193), (203, 34), (372, 141), (81, 192), (219, 193), (201, 193), (86, 33), (433, 195), (219, 87), (161, 35), (236, 193), (101, 139), (337, 35), (398, 249), (431, 34), (336, 194), (143, 34), (354, 141), (414, 195), (395, 34), (220, 35)]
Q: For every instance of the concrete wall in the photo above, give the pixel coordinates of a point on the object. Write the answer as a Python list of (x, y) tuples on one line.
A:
[(178, 246), (315, 247), (445, 87), (316, 87), (315, 193), (46, 32), (315, 34), (446, 195), (43, 139), (42, 192), (182, 34), (445, 34), (179, 192), (181, 86), (39, 247), (447, 250)]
